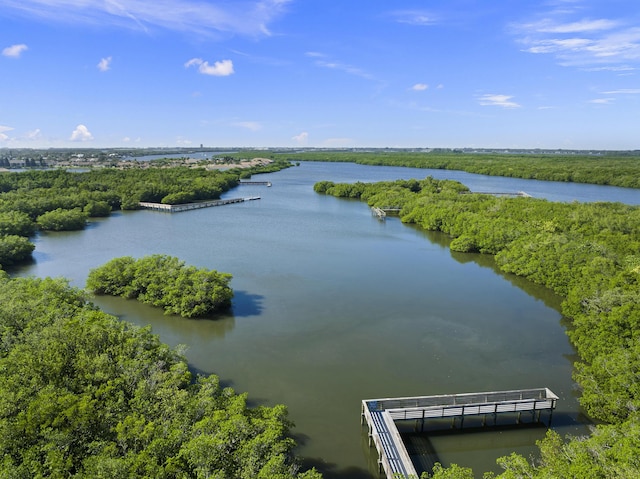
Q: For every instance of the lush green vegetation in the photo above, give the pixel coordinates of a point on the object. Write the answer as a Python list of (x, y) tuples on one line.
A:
[(62, 220), (14, 249), (588, 253), (166, 282), (84, 395), (60, 200), (606, 169)]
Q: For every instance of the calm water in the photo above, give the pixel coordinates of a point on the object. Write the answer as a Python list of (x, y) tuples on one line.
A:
[(333, 306)]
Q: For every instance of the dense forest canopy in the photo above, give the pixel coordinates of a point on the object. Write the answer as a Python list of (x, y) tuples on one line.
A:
[(588, 253)]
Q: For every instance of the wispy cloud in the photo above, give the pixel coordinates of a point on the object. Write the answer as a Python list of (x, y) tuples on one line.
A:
[(581, 42), (245, 17), (33, 135), (104, 64), (3, 129), (419, 87), (623, 91), (498, 100), (602, 101), (344, 67), (222, 68), (81, 133), (414, 17), (249, 125), (323, 60), (14, 51), (302, 138)]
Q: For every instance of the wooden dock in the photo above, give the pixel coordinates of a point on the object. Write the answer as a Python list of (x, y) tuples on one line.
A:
[(193, 206), (263, 183), (381, 213), (380, 416), (521, 194)]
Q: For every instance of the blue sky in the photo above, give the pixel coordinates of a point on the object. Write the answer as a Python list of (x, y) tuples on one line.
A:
[(320, 73)]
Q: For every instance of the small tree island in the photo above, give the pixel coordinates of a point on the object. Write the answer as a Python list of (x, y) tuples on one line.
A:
[(164, 281)]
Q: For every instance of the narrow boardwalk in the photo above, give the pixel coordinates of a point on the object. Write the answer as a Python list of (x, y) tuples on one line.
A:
[(193, 206), (381, 213), (264, 183), (519, 193), (380, 414)]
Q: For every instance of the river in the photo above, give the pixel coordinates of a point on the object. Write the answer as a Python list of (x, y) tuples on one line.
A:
[(333, 306)]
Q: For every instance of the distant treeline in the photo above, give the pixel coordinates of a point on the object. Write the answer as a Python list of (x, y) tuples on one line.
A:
[(614, 170), (57, 200), (587, 252)]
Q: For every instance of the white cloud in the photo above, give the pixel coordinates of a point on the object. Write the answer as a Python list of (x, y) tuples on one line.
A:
[(419, 87), (498, 100), (104, 64), (33, 134), (623, 91), (3, 128), (602, 101), (244, 17), (249, 125), (351, 70), (581, 42), (14, 51), (582, 26), (222, 68), (414, 17), (81, 133), (302, 138), (4, 137)]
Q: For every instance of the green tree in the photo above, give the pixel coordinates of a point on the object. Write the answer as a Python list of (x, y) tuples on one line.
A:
[(166, 282), (97, 209), (16, 223), (62, 220), (14, 249)]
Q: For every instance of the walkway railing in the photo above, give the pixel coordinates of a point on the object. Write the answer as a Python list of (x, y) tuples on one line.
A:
[(380, 414), (192, 206)]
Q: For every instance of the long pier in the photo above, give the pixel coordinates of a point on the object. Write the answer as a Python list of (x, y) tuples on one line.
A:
[(380, 416), (521, 194), (193, 206), (264, 183)]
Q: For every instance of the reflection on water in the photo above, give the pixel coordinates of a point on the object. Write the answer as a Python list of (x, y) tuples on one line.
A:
[(333, 306)]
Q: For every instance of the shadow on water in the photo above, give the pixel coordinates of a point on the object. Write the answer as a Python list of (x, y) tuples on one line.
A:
[(548, 297), (246, 304), (331, 471)]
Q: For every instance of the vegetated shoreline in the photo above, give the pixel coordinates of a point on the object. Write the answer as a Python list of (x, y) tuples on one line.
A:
[(587, 253), (605, 169), (469, 243)]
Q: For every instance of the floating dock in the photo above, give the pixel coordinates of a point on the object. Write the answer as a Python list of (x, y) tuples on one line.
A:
[(193, 206), (380, 416)]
